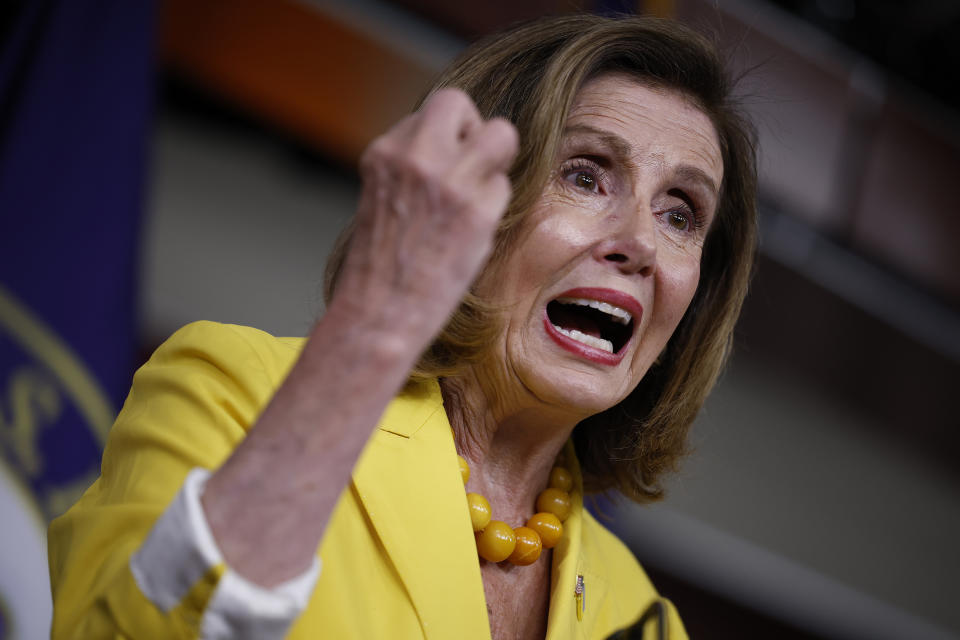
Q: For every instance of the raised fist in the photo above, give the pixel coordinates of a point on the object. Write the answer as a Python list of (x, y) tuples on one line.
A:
[(434, 189)]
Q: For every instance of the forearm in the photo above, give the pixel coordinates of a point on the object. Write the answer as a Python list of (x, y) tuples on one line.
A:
[(435, 187), (269, 503)]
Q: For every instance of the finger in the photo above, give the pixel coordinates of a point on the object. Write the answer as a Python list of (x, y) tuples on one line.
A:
[(434, 133), (493, 197), (389, 143), (448, 117), (491, 150)]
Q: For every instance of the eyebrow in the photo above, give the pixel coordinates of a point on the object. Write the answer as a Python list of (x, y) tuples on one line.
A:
[(624, 151), (695, 174), (616, 144)]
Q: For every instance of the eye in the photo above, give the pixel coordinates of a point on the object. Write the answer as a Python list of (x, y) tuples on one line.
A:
[(682, 215), (585, 181), (679, 219), (584, 175)]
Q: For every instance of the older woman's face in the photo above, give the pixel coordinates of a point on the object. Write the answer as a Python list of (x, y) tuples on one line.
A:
[(609, 257)]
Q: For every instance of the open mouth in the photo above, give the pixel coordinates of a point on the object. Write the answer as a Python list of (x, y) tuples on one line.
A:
[(593, 323)]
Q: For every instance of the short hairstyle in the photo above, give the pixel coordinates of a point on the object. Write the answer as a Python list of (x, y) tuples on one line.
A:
[(531, 74)]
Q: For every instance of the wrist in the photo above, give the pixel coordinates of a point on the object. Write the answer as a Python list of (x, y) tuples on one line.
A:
[(358, 341), (392, 333)]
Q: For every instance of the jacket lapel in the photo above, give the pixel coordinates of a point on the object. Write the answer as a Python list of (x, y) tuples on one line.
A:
[(409, 484), (567, 565)]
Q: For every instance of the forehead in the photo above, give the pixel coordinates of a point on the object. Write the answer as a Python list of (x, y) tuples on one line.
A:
[(659, 125)]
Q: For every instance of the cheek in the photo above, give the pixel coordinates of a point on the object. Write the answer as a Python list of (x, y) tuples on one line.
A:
[(551, 249), (677, 287)]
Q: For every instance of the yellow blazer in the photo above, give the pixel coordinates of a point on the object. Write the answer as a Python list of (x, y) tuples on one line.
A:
[(398, 558)]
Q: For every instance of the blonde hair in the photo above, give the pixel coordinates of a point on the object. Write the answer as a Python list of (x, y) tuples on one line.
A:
[(530, 75)]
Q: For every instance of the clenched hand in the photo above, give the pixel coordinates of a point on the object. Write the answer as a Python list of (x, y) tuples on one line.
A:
[(434, 189)]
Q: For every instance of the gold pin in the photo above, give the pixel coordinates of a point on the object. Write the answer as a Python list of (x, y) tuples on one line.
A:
[(580, 594)]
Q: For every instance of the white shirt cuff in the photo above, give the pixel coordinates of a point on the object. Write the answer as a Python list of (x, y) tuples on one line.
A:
[(181, 549)]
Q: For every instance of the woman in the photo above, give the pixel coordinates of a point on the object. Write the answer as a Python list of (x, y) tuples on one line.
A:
[(587, 216)]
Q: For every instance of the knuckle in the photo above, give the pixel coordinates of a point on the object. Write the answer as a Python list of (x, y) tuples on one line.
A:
[(379, 148), (500, 187), (453, 96), (387, 146), (503, 133), (376, 155), (420, 167), (452, 99)]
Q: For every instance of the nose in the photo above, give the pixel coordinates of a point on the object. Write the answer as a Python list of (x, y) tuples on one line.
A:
[(630, 243)]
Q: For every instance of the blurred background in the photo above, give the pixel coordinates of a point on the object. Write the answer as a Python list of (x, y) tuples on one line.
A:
[(194, 159)]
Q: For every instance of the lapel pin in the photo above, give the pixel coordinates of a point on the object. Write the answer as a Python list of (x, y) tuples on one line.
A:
[(579, 593)]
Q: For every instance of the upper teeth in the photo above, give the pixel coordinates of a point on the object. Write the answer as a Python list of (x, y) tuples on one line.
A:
[(616, 313)]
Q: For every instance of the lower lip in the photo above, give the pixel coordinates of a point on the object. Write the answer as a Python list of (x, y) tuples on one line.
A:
[(584, 351)]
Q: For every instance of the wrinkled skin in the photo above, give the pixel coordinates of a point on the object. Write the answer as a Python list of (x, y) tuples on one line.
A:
[(631, 197), (434, 189)]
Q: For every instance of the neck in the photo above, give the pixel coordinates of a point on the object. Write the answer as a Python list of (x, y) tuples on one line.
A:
[(511, 445)]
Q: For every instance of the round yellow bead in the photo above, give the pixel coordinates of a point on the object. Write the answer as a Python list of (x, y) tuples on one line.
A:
[(554, 501), (548, 527), (464, 469), (480, 512), (496, 542), (528, 546), (561, 479)]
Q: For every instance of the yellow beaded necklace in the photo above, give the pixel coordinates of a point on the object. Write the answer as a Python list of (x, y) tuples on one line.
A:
[(497, 541)]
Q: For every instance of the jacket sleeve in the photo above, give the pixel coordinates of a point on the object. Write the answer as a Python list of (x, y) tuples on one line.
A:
[(118, 569)]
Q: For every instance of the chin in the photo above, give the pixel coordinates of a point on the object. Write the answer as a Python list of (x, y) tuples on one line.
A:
[(581, 394)]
